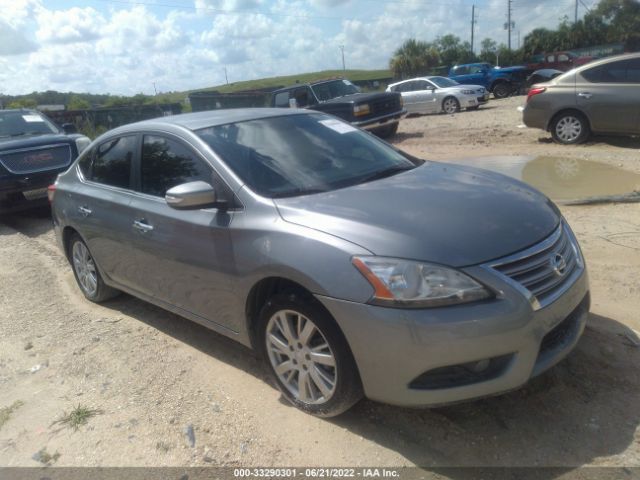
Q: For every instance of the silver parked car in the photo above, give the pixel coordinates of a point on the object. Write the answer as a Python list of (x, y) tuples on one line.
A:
[(439, 94), (353, 268), (599, 97)]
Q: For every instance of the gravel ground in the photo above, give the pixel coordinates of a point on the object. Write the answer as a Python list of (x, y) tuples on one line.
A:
[(167, 392)]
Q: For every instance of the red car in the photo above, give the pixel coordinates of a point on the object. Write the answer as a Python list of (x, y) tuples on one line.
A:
[(563, 61)]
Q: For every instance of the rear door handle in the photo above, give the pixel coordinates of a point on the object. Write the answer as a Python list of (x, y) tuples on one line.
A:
[(141, 226), (585, 95), (84, 211)]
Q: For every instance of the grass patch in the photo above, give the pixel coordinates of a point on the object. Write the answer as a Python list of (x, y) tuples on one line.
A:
[(5, 412), (77, 417), (285, 81)]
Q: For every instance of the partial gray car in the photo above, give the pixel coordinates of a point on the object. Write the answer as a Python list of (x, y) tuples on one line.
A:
[(352, 267), (601, 97)]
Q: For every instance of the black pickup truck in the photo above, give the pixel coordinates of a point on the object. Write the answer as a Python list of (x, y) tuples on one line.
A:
[(378, 112), (33, 151)]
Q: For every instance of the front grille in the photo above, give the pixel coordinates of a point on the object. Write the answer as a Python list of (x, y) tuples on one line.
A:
[(385, 105), (546, 270), (36, 159)]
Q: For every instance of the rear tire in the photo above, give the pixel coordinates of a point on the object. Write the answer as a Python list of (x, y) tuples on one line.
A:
[(86, 272), (308, 356), (501, 90), (570, 128)]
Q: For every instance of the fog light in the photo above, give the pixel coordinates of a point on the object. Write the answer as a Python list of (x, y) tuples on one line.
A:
[(480, 366)]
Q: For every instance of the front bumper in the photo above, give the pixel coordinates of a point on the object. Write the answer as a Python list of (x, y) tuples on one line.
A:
[(380, 121), (395, 347)]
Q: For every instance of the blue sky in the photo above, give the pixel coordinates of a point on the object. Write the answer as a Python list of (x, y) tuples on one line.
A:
[(124, 46)]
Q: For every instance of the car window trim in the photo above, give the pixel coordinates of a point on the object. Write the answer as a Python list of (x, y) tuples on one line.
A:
[(235, 204), (93, 157)]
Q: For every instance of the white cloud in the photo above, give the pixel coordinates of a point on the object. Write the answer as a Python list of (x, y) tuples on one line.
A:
[(13, 42), (124, 49), (68, 26)]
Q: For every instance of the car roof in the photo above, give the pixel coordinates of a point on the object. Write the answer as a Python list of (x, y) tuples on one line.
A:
[(603, 61), (212, 118)]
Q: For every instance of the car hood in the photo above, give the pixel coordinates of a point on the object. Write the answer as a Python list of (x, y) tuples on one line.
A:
[(27, 141), (444, 213), (361, 97)]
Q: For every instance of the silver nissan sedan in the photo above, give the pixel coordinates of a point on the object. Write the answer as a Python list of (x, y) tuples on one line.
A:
[(353, 268)]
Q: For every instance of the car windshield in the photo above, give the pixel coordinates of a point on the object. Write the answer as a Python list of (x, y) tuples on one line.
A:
[(24, 122), (301, 154), (334, 89), (443, 82)]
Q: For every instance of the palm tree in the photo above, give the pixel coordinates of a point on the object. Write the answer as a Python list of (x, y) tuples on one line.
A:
[(413, 58)]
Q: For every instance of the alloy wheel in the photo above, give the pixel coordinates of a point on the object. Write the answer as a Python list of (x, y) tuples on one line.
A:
[(85, 268), (301, 357), (450, 105), (568, 129)]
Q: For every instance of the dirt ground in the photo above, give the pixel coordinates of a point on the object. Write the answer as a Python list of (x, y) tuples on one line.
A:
[(167, 392)]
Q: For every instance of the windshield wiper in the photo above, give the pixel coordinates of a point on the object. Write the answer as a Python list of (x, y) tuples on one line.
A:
[(298, 191), (387, 172)]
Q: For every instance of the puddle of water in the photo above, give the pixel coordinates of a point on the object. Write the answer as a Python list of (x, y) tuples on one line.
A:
[(561, 178)]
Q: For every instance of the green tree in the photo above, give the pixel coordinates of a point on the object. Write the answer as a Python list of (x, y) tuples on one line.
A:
[(452, 50), (78, 103), (413, 58), (488, 50), (23, 103)]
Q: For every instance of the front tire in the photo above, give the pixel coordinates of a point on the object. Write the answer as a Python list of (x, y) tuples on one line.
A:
[(450, 105), (308, 356), (387, 131), (570, 128), (86, 272)]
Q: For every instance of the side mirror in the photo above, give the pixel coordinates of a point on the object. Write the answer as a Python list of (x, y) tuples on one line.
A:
[(69, 128), (191, 196)]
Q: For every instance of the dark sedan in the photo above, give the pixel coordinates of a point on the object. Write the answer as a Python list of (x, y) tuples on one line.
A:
[(33, 151)]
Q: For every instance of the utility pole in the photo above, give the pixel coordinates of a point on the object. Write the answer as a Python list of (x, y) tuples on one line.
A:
[(225, 76), (154, 88), (518, 39), (343, 66), (575, 16), (473, 23), (509, 23)]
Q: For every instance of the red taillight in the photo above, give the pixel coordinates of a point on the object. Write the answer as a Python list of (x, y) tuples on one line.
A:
[(51, 190), (534, 91)]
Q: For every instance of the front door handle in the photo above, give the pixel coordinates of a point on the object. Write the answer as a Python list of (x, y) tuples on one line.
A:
[(585, 95), (84, 211), (141, 226)]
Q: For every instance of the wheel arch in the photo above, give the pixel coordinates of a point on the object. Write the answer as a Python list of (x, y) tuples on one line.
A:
[(68, 233), (266, 288)]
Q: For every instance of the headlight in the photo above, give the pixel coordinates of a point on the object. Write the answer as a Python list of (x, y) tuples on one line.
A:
[(362, 109), (409, 284), (82, 142), (467, 92)]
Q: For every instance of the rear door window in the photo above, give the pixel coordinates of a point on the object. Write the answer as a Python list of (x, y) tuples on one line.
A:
[(166, 163), (113, 160), (624, 71)]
